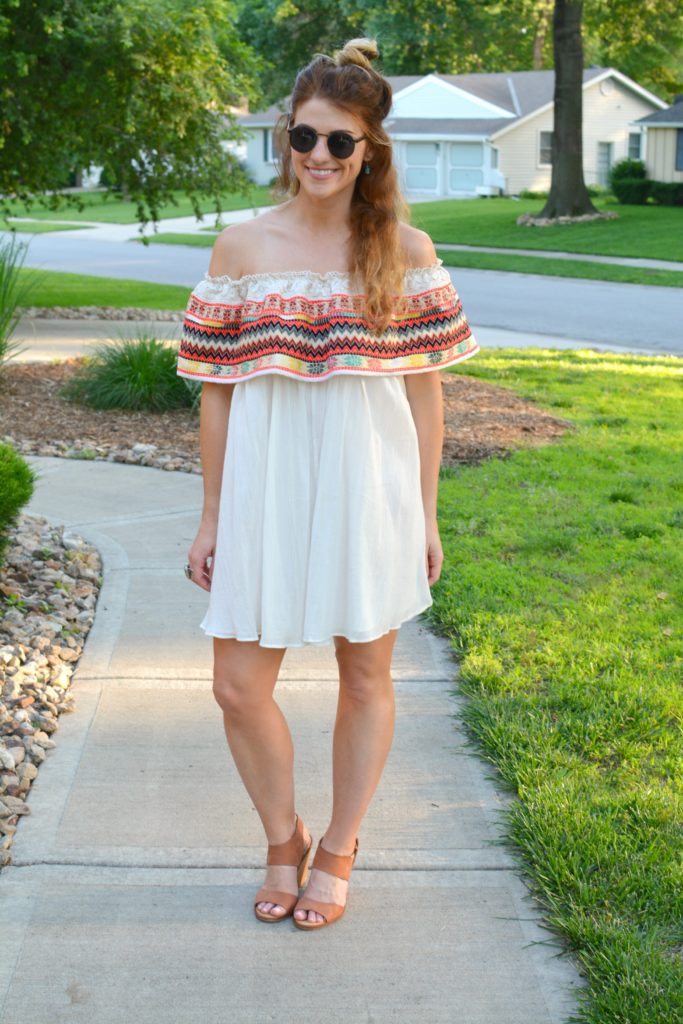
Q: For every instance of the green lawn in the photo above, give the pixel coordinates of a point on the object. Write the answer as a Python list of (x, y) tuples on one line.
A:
[(99, 207), (203, 241), (50, 288), (40, 227), (561, 268), (561, 593), (655, 232)]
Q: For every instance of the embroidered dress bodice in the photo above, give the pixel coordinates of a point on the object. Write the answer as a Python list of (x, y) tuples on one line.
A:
[(311, 326)]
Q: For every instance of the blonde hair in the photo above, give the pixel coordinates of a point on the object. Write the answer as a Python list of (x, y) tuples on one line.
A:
[(349, 81)]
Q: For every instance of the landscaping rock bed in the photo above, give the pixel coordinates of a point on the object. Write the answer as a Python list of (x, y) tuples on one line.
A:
[(49, 587), (101, 313)]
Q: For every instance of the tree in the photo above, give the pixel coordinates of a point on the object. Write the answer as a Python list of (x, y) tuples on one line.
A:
[(568, 195), (140, 87)]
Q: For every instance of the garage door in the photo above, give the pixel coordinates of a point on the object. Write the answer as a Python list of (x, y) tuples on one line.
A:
[(422, 167), (465, 166)]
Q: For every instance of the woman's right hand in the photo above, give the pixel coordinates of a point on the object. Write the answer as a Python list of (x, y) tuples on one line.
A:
[(203, 548)]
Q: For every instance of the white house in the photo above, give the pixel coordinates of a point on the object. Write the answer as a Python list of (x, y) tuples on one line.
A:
[(484, 134)]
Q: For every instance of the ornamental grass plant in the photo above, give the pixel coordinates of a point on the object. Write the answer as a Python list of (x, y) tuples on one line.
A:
[(132, 374), (14, 291)]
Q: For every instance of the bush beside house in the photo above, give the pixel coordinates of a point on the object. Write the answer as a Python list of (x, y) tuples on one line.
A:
[(631, 186)]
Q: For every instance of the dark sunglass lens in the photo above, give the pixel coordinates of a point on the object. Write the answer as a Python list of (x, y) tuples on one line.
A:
[(302, 138), (341, 144)]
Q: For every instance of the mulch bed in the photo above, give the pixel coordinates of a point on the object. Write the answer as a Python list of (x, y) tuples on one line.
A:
[(481, 420)]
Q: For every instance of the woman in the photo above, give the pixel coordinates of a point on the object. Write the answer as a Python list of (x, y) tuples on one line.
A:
[(312, 333)]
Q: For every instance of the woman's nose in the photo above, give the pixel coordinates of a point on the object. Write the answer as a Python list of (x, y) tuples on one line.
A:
[(320, 150)]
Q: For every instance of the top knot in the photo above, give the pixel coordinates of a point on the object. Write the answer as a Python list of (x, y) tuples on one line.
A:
[(358, 51)]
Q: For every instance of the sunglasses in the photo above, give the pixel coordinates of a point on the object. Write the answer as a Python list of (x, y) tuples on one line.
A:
[(341, 145)]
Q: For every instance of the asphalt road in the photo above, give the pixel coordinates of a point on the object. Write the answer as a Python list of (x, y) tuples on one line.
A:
[(622, 314)]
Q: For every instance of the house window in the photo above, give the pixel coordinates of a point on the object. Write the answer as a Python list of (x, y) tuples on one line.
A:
[(494, 157), (679, 149), (267, 146), (545, 153), (634, 145), (604, 161)]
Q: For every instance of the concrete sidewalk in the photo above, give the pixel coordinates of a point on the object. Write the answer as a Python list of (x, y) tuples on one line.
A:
[(130, 893)]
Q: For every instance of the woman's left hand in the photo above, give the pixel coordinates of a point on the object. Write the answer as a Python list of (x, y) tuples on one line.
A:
[(433, 551)]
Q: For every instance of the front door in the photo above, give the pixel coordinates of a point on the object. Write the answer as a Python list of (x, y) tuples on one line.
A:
[(604, 161)]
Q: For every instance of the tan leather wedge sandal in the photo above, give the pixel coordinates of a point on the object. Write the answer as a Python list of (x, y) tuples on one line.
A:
[(333, 864), (294, 853)]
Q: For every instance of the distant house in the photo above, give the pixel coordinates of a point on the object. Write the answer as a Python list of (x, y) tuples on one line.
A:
[(663, 132), (485, 134)]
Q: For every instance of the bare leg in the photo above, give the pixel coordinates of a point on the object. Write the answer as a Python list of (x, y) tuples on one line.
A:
[(363, 734), (245, 675)]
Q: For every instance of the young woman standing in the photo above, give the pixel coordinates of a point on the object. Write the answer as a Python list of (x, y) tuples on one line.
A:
[(321, 436)]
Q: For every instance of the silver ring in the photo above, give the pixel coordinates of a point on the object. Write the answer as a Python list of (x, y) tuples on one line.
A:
[(188, 570)]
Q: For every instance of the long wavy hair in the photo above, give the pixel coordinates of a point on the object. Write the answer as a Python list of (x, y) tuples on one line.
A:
[(349, 81)]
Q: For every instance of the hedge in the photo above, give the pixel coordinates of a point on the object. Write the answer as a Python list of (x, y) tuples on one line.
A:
[(633, 191), (16, 487), (667, 193)]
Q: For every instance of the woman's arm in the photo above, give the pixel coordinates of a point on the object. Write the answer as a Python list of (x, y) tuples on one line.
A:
[(214, 415), (424, 392), (426, 405)]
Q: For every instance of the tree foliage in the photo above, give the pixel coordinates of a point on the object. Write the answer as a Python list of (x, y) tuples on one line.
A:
[(642, 38), (141, 87)]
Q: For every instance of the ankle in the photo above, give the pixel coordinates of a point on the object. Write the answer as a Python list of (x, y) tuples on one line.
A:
[(280, 832), (341, 846)]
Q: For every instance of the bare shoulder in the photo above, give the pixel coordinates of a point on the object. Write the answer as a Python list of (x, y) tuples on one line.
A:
[(235, 247), (417, 245)]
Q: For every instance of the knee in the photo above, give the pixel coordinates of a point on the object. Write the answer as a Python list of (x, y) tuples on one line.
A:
[(232, 694), (364, 683)]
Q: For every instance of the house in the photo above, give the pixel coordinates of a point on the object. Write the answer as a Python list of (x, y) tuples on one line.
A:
[(485, 134), (663, 132)]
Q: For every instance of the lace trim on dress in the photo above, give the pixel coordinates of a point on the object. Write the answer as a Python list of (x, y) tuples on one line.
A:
[(311, 283)]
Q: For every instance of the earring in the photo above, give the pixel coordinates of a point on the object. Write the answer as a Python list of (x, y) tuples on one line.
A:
[(366, 168)]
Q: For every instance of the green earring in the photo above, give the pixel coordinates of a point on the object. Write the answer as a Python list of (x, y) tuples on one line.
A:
[(366, 169)]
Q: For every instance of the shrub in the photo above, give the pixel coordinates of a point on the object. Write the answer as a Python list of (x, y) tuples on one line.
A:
[(667, 193), (626, 169), (16, 487), (133, 374), (632, 191), (527, 193)]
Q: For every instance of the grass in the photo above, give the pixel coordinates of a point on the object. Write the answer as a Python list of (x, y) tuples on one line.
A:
[(562, 268), (51, 288), (654, 232), (110, 210), (40, 227), (561, 594), (203, 241)]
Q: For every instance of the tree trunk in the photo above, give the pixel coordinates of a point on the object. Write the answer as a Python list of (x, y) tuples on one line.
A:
[(568, 195)]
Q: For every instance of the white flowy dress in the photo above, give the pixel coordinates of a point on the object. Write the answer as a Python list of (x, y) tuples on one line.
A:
[(321, 527)]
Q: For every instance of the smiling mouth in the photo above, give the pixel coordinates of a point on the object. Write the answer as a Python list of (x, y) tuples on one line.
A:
[(322, 172)]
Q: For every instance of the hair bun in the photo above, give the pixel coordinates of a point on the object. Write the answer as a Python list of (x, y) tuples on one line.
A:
[(358, 51)]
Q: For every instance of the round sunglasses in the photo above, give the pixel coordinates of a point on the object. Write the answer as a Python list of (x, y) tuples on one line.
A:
[(341, 144)]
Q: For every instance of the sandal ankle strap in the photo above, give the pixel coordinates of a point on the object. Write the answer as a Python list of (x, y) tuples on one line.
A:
[(334, 863), (291, 851)]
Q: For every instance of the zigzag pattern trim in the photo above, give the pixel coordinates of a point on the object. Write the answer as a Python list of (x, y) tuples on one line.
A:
[(314, 338)]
